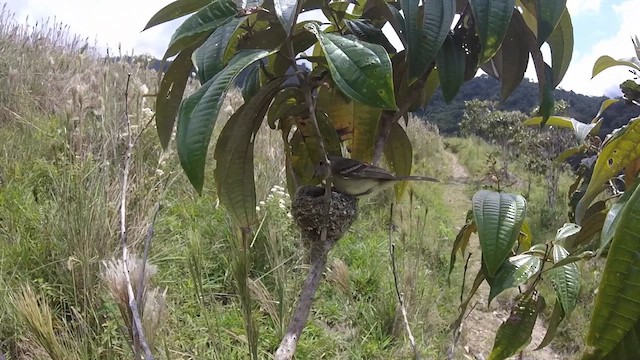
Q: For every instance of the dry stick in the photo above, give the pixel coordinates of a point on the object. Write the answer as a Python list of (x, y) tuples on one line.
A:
[(136, 327), (289, 342), (403, 308)]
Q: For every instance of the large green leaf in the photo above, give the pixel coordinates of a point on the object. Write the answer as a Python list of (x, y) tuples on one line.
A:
[(361, 70), (548, 13), (565, 280), (199, 112), (170, 94), (451, 67), (492, 20), (515, 333), (604, 62), (234, 175), (286, 13), (426, 29), (399, 154), (612, 220), (580, 129), (617, 305), (498, 217), (366, 31), (561, 44), (510, 62), (175, 10), (210, 56), (617, 152), (514, 272), (201, 24)]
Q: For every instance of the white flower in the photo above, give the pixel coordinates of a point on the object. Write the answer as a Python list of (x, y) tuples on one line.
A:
[(257, 208), (289, 215), (159, 172), (144, 90), (282, 206), (262, 203)]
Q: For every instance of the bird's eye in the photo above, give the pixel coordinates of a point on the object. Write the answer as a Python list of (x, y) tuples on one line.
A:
[(321, 163)]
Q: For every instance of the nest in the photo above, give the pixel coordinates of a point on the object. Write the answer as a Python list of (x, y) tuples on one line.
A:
[(309, 209)]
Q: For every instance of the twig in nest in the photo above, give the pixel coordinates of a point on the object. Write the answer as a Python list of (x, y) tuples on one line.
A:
[(403, 308), (139, 339)]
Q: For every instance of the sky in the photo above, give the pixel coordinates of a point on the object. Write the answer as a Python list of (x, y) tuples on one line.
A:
[(601, 27)]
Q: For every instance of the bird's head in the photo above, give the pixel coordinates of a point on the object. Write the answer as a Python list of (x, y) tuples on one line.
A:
[(322, 170)]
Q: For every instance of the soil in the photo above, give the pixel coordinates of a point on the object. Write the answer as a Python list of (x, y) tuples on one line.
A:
[(481, 322)]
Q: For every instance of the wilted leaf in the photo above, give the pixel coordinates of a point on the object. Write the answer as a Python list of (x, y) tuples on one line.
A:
[(461, 242), (552, 325)]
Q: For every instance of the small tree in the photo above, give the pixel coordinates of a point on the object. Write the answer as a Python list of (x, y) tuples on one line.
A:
[(358, 90)]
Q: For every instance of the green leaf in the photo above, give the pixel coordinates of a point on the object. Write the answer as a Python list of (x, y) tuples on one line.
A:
[(617, 152), (580, 129), (565, 280), (605, 62), (514, 272), (170, 94), (199, 112), (510, 62), (399, 154), (251, 83), (451, 67), (355, 123), (209, 58), (366, 31), (612, 220), (361, 70), (515, 333), (548, 13), (286, 13), (552, 325), (498, 217), (570, 152), (175, 10), (234, 174), (492, 20), (561, 44), (617, 305), (426, 30), (567, 230), (199, 25)]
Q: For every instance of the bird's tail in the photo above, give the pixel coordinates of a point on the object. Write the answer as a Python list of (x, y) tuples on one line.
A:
[(419, 178)]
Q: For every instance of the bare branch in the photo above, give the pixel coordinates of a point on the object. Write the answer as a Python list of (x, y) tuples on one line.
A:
[(137, 330)]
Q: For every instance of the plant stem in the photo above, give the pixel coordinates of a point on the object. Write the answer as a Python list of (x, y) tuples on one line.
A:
[(139, 339)]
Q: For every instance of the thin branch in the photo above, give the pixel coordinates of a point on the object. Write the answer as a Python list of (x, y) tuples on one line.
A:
[(137, 330), (403, 308)]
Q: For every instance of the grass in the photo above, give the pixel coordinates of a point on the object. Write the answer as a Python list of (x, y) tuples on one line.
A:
[(60, 171)]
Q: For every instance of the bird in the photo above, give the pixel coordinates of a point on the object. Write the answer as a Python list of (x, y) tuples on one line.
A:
[(357, 178)]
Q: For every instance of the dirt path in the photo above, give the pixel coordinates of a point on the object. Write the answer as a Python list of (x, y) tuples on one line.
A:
[(480, 325)]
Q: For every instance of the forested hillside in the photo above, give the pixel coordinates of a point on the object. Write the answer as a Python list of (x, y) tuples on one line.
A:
[(524, 99)]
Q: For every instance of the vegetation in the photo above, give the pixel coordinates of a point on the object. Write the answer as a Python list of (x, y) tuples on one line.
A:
[(222, 282)]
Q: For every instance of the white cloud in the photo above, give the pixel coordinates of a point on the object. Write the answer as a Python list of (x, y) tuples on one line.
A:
[(578, 6), (617, 44)]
